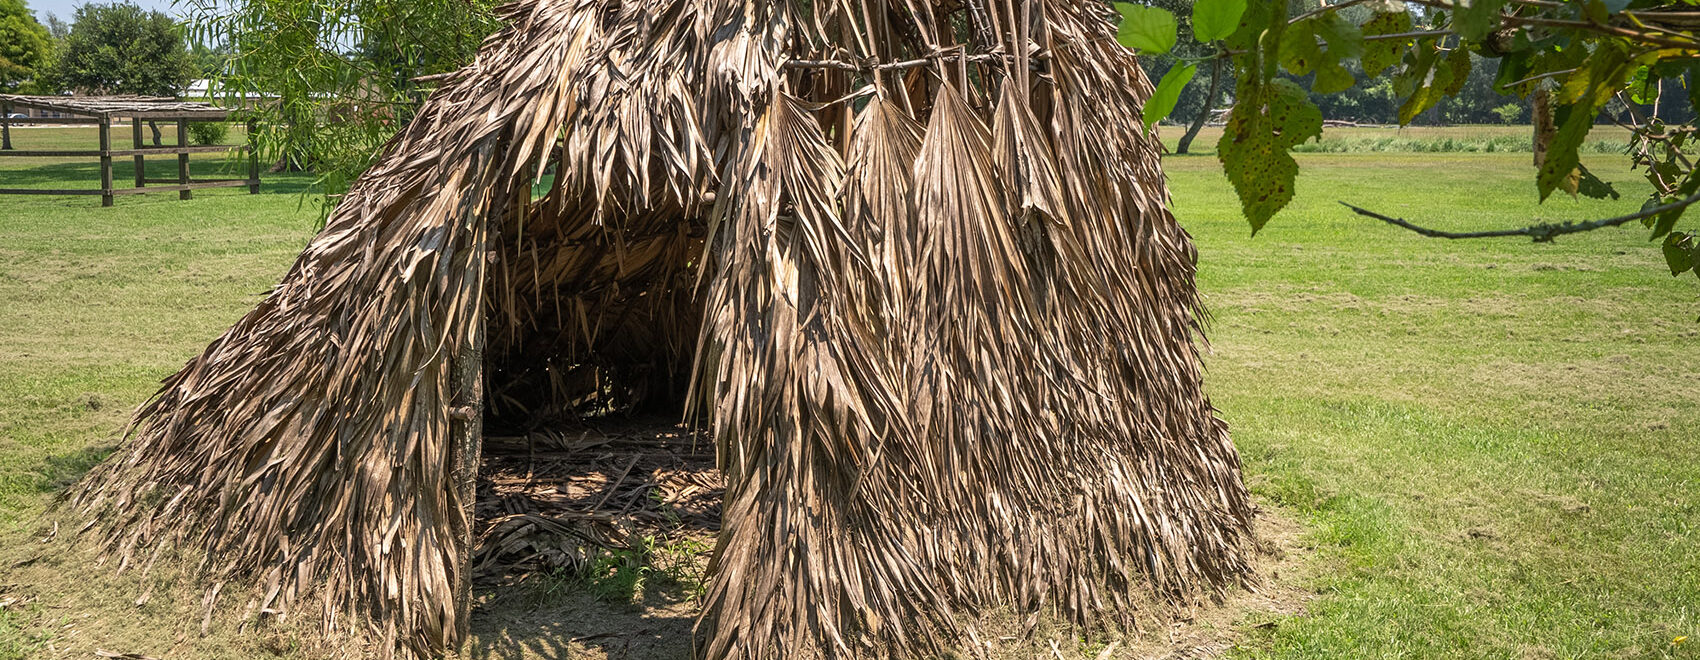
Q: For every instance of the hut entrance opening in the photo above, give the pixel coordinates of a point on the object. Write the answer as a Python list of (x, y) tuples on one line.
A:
[(591, 325)]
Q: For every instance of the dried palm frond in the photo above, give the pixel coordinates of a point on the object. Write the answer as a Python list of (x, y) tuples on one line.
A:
[(802, 405), (948, 365), (876, 199)]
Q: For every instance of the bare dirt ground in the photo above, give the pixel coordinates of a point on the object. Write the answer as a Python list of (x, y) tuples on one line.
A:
[(593, 546)]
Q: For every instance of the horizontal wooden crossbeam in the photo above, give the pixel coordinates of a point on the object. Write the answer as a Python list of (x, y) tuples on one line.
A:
[(50, 120), (145, 151), (47, 191), (217, 183)]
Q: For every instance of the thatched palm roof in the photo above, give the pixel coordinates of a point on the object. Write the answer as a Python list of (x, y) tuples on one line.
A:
[(915, 260)]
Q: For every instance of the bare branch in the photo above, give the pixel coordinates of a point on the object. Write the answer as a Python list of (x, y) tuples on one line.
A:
[(1407, 35), (1323, 9), (1598, 28), (435, 77), (906, 64), (1549, 74), (1541, 232)]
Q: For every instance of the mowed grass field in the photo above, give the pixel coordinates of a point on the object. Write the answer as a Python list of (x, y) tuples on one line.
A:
[(1465, 138), (1490, 446)]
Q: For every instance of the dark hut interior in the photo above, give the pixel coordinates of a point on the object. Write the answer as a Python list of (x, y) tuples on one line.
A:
[(591, 331)]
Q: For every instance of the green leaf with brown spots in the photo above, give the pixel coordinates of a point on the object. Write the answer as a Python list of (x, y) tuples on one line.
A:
[(1421, 82), (1322, 43), (1254, 145), (1458, 68), (1383, 53)]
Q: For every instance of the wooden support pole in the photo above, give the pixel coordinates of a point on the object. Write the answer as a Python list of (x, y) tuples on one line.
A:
[(136, 143), (467, 421), (468, 445), (253, 160), (105, 160), (6, 125), (183, 159)]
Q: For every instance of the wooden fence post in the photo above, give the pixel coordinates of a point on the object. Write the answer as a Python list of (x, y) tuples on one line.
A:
[(253, 160), (183, 160), (141, 161), (106, 160)]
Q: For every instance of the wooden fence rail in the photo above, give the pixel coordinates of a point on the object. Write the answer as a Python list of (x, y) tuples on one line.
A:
[(101, 111)]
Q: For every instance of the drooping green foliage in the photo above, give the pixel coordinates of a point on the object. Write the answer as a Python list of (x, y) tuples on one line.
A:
[(342, 77), (124, 49), (25, 49), (1573, 59), (1379, 54)]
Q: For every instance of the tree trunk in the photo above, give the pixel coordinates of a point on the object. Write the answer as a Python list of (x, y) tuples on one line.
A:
[(155, 128), (1204, 112), (286, 163)]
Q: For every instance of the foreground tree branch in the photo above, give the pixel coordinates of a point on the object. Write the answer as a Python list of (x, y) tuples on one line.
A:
[(1541, 232)]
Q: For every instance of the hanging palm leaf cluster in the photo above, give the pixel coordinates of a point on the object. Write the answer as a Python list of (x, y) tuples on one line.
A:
[(908, 261)]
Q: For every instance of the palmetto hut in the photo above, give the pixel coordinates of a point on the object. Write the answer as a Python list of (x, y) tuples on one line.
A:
[(909, 262)]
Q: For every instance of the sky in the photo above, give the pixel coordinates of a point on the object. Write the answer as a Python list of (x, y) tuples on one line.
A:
[(64, 9)]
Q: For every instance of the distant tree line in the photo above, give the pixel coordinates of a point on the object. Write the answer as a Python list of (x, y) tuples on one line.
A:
[(116, 48), (26, 49), (106, 49)]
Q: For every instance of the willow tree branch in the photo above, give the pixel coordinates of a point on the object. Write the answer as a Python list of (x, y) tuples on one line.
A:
[(1541, 232)]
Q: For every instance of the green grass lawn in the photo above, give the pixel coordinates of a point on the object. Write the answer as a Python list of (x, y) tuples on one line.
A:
[(1466, 138), (1490, 445)]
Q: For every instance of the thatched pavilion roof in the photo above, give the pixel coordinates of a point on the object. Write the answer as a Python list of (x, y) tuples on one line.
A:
[(912, 261), (125, 105)]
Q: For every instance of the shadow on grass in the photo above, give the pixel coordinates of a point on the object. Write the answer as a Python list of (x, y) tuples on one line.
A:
[(58, 472), (508, 624)]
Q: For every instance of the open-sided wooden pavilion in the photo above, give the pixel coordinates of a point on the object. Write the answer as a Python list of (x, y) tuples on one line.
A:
[(101, 111)]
